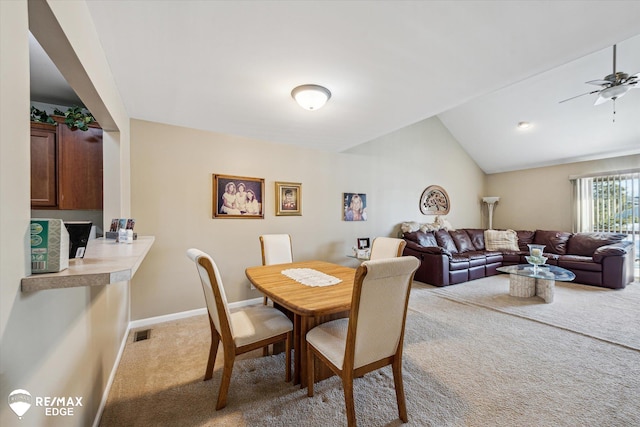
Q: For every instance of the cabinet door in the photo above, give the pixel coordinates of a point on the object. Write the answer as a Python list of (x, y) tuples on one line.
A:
[(80, 174), (43, 167)]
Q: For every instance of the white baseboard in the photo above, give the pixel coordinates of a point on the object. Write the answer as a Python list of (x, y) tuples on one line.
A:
[(141, 323), (112, 376)]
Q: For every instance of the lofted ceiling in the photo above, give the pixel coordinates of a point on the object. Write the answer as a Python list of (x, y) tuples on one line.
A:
[(480, 66)]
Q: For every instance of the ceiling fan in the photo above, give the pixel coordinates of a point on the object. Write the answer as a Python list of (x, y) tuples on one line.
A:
[(613, 86)]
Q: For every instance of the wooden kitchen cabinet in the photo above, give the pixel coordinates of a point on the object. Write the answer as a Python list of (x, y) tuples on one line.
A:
[(44, 188), (76, 163)]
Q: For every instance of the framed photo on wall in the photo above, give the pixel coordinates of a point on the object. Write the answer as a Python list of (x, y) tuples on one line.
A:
[(237, 197), (288, 198), (355, 206)]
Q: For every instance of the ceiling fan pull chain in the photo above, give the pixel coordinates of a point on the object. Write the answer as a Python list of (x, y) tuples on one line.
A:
[(614, 109)]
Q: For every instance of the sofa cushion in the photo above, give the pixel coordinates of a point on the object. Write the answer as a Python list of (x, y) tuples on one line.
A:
[(611, 250), (462, 241), (525, 237), (445, 241), (501, 240), (555, 241), (577, 262), (585, 244), (423, 239), (477, 237)]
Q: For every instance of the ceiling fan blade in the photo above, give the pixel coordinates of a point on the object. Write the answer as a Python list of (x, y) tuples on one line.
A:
[(599, 82), (632, 79), (578, 96)]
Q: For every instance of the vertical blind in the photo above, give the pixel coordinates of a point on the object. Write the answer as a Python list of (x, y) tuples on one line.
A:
[(609, 203)]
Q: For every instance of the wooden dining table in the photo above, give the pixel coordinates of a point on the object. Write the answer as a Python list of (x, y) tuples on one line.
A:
[(307, 305)]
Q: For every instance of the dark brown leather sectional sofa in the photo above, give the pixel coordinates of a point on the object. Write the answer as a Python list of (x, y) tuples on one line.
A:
[(456, 256)]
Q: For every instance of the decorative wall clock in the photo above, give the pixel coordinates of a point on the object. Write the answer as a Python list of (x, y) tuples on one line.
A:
[(434, 201)]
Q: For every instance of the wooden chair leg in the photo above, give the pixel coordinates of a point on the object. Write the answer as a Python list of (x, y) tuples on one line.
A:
[(310, 369), (213, 352), (265, 349), (225, 381), (400, 397), (288, 355), (347, 384)]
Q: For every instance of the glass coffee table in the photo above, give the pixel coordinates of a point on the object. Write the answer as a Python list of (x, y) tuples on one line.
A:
[(525, 280)]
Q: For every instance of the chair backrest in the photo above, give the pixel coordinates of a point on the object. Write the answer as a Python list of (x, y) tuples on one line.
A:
[(379, 308), (276, 249), (213, 292), (387, 247)]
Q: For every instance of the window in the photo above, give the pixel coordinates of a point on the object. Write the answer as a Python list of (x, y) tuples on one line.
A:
[(609, 203)]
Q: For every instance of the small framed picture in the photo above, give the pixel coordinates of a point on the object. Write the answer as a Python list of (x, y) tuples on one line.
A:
[(288, 198), (237, 197), (355, 206), (363, 243)]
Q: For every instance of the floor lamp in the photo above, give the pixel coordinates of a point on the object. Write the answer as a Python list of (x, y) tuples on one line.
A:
[(490, 201)]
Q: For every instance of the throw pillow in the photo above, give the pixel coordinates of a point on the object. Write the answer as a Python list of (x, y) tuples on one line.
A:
[(501, 240), (409, 227)]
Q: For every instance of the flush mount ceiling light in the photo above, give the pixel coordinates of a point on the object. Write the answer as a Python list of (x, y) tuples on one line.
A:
[(311, 97), (524, 125)]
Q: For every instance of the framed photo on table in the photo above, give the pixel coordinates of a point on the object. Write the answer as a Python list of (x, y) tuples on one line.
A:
[(363, 243), (288, 198), (237, 197)]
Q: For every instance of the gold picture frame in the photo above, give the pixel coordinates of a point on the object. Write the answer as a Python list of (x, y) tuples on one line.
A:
[(288, 199), (231, 202)]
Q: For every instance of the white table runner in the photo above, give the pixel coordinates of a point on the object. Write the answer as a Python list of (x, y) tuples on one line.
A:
[(310, 277)]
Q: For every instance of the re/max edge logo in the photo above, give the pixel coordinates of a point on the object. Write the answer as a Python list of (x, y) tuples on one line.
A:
[(21, 400)]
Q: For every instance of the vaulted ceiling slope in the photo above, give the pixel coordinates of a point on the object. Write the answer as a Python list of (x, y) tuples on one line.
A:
[(481, 66)]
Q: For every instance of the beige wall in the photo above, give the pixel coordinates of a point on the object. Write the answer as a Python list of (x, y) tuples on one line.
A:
[(171, 187), (57, 342), (540, 198)]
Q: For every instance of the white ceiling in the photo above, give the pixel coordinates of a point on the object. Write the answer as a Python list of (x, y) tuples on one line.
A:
[(481, 66)]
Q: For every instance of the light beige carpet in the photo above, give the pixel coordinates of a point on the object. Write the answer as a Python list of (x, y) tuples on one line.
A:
[(607, 314), (464, 365)]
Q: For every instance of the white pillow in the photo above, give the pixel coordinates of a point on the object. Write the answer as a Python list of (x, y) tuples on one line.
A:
[(497, 240), (409, 227)]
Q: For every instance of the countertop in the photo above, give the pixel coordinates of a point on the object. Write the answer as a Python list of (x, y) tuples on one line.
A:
[(104, 262)]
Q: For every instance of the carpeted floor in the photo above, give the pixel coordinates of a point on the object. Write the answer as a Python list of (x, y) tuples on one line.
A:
[(466, 363), (601, 313)]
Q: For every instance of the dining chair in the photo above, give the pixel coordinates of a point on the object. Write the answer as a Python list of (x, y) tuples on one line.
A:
[(372, 336), (241, 331), (276, 249), (387, 247)]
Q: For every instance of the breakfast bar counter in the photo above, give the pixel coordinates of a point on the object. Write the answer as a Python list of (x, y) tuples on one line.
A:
[(105, 262)]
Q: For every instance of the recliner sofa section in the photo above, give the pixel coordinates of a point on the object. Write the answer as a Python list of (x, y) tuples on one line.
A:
[(449, 257)]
